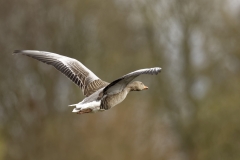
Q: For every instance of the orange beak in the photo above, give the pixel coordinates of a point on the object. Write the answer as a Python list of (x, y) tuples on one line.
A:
[(145, 87)]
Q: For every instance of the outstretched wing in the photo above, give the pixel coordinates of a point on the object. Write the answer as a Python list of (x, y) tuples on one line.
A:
[(73, 69), (119, 84)]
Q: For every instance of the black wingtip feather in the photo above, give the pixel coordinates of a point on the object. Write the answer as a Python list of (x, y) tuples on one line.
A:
[(17, 51)]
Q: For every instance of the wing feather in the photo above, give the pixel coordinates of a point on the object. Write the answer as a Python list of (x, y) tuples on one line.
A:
[(73, 69), (119, 84)]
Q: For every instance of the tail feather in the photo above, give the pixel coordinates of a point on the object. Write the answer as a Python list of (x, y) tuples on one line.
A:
[(76, 110), (72, 105)]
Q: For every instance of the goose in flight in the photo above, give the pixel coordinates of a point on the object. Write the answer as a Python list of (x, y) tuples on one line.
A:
[(99, 95)]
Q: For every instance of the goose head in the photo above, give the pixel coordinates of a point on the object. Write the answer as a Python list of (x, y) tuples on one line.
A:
[(137, 86)]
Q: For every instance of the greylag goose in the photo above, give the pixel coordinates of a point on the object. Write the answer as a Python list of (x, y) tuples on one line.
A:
[(100, 95)]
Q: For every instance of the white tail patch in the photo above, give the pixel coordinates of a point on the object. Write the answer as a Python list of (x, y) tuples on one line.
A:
[(76, 110), (95, 106), (72, 105)]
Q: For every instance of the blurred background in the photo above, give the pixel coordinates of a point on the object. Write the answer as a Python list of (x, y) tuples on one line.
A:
[(190, 112)]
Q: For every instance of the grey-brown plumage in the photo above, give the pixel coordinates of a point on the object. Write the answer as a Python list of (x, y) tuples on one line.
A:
[(113, 99), (100, 95), (73, 69)]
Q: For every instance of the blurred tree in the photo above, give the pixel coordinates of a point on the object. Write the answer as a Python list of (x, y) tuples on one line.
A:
[(190, 111)]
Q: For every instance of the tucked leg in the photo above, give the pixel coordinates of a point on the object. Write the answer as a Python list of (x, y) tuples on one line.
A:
[(85, 111)]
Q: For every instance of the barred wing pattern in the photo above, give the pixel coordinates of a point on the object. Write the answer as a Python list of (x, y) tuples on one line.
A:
[(73, 69), (119, 84)]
